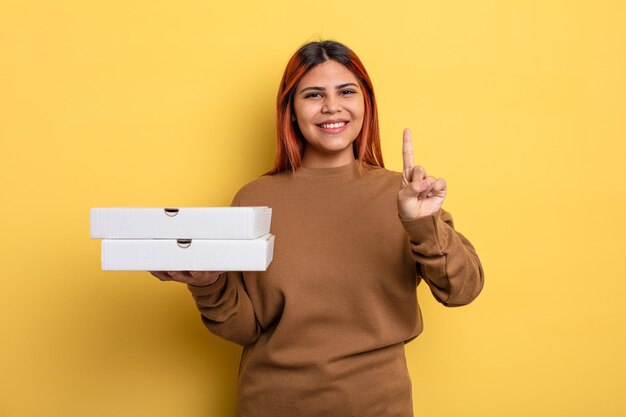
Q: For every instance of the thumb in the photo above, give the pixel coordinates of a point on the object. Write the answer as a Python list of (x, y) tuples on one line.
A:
[(413, 189)]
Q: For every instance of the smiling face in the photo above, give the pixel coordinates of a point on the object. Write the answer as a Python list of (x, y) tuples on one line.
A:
[(329, 108)]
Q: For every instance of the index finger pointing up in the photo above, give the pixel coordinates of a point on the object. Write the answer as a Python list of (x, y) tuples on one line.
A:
[(407, 151)]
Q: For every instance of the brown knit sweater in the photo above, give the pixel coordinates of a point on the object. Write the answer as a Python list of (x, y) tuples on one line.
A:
[(323, 328)]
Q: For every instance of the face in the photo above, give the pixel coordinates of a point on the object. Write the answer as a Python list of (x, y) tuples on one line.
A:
[(329, 109)]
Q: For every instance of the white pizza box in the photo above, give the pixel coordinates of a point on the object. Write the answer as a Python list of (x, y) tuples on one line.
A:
[(180, 223), (187, 254)]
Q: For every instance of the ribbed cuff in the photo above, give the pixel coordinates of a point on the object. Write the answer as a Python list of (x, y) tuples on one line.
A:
[(208, 289), (424, 230)]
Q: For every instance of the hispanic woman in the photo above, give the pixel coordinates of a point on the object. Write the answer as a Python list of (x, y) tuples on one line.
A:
[(323, 329)]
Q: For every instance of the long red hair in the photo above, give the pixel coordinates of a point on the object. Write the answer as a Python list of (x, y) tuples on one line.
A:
[(289, 139)]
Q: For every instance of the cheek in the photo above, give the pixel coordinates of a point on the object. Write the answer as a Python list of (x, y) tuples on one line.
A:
[(302, 113), (359, 117), (358, 111), (303, 128)]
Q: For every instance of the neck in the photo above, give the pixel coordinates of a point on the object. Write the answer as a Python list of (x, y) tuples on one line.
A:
[(316, 160)]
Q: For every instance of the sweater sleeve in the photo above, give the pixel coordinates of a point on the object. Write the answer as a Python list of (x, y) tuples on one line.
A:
[(226, 309), (225, 305), (446, 260)]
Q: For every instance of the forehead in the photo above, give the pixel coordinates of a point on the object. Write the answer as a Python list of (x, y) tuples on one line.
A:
[(328, 74)]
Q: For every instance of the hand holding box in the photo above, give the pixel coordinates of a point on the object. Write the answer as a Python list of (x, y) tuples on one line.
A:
[(195, 278)]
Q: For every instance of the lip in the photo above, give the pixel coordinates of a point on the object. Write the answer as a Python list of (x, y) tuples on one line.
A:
[(335, 129), (333, 121)]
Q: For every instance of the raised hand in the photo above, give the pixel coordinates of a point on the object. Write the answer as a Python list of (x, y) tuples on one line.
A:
[(421, 195), (196, 278)]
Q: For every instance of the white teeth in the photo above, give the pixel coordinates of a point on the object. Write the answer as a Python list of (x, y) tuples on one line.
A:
[(333, 125)]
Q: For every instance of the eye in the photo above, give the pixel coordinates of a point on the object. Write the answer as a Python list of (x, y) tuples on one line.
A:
[(347, 92), (312, 95)]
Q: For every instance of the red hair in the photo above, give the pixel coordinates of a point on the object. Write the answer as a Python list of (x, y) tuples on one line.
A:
[(289, 139)]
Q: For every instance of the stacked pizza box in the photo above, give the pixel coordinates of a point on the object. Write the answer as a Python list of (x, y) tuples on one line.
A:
[(184, 239)]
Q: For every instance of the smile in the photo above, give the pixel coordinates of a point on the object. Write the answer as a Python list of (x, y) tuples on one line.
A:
[(332, 125)]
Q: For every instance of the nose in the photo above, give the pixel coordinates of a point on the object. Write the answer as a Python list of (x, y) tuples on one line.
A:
[(331, 105)]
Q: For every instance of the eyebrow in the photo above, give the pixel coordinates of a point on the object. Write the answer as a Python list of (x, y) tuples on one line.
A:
[(339, 87)]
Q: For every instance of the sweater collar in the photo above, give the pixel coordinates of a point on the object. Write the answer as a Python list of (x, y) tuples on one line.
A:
[(345, 172)]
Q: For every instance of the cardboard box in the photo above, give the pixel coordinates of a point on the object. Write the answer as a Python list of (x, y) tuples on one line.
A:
[(187, 255), (180, 223)]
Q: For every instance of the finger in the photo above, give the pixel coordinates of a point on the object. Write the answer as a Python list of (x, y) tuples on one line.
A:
[(200, 278), (200, 273), (161, 275), (429, 183), (418, 173), (180, 276), (439, 187), (412, 190), (407, 152)]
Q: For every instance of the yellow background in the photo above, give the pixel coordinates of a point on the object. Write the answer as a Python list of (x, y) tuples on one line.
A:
[(520, 105)]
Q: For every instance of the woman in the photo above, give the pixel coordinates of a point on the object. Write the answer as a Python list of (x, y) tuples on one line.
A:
[(324, 327)]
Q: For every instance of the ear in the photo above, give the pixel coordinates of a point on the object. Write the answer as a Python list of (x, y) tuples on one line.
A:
[(293, 118)]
